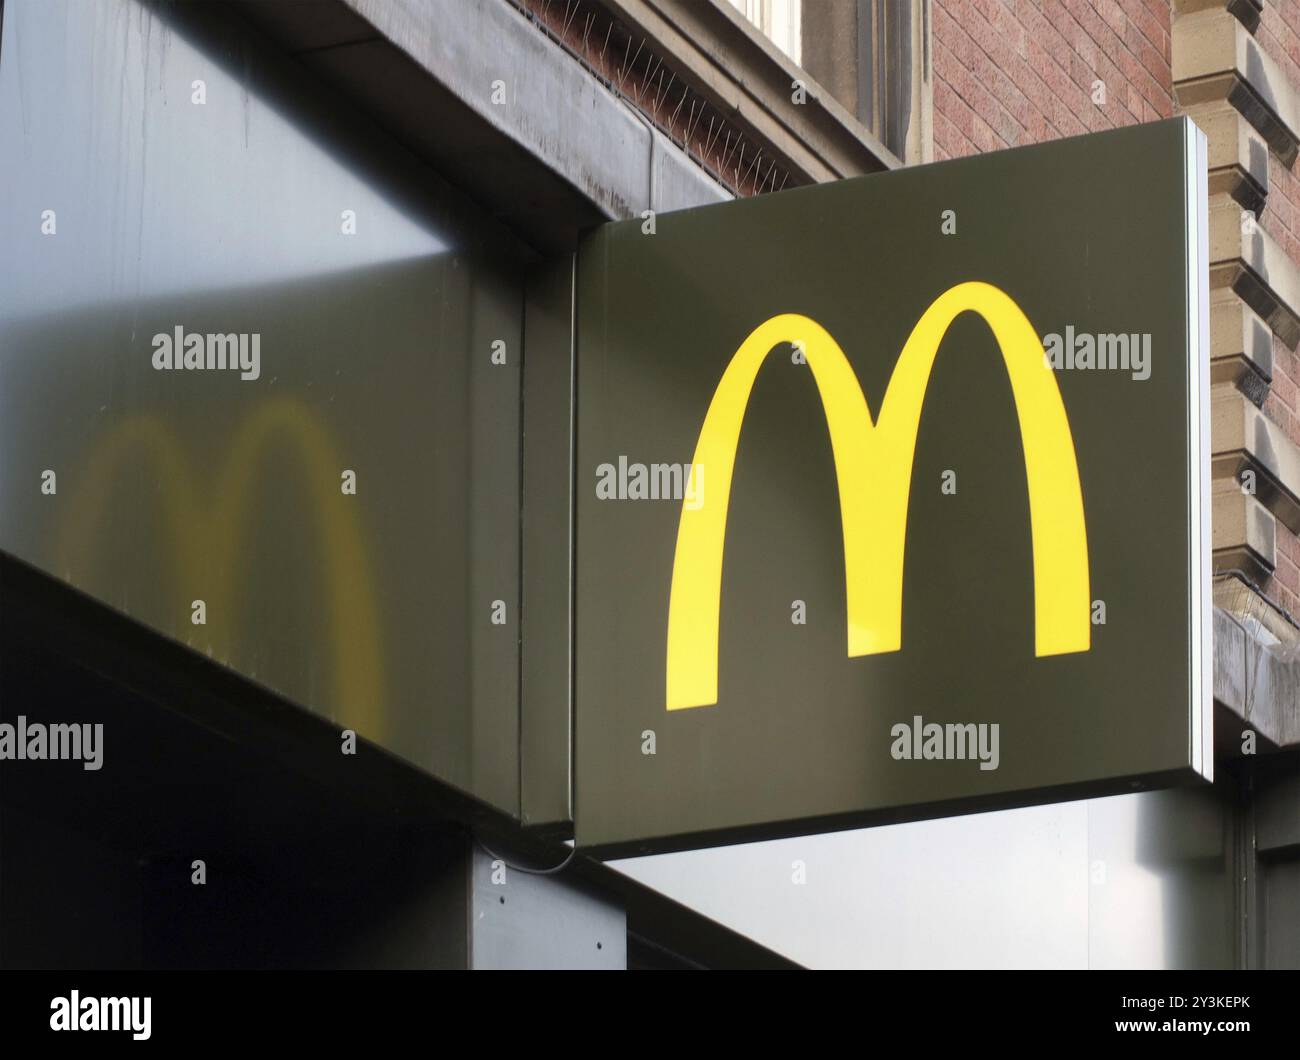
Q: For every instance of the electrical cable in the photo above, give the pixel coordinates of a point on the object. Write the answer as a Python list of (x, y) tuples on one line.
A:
[(523, 868)]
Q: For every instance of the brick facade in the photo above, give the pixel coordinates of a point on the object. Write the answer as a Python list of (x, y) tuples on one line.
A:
[(1010, 72), (1279, 35)]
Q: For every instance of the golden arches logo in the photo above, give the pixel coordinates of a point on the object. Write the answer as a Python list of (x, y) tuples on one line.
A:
[(204, 539), (873, 470)]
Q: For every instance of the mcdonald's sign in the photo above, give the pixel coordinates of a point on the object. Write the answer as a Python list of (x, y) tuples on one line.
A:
[(873, 464), (1007, 558)]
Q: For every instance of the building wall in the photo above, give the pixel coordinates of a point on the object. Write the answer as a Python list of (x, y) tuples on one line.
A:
[(1279, 34), (1011, 72)]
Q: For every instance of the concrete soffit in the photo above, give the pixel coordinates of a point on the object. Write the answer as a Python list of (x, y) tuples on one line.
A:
[(1256, 680), (506, 109)]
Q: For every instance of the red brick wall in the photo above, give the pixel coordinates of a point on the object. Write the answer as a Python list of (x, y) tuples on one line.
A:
[(1009, 72), (1279, 35)]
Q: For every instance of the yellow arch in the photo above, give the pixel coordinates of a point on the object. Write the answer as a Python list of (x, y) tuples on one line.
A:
[(354, 617), (152, 438), (204, 543), (873, 468)]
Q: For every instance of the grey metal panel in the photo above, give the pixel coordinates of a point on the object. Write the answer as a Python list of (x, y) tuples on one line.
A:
[(1132, 881), (522, 920), (996, 890), (226, 217), (596, 143), (492, 544), (1272, 881), (1161, 880), (1281, 884), (546, 661), (1277, 820)]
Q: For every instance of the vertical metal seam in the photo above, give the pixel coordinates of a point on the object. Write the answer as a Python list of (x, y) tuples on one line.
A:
[(573, 535), (519, 566)]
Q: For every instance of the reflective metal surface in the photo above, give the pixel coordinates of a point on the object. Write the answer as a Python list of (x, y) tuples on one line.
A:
[(162, 170), (1134, 881)]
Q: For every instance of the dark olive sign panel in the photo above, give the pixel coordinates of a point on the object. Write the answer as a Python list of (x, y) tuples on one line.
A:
[(892, 496)]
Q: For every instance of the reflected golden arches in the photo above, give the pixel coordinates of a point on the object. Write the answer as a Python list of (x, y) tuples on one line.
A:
[(873, 468), (204, 538), (354, 617), (155, 441)]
